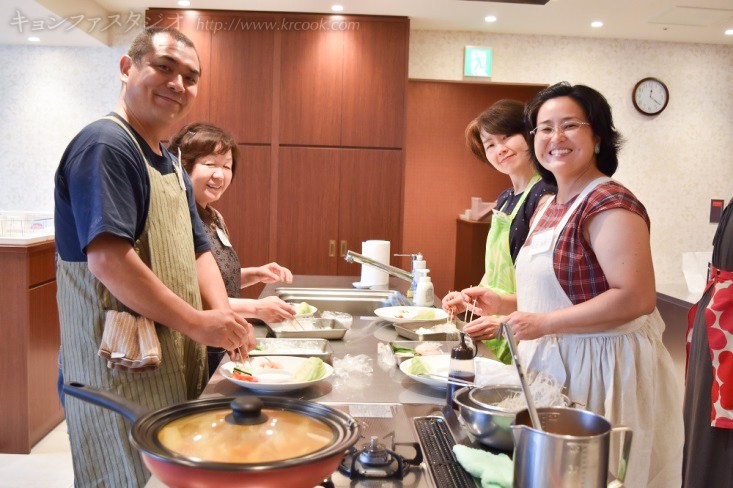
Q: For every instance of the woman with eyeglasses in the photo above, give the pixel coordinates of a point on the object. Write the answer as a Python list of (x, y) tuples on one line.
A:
[(585, 308), (498, 137), (209, 155)]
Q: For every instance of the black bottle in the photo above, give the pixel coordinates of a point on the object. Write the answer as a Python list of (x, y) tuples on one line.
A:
[(461, 367)]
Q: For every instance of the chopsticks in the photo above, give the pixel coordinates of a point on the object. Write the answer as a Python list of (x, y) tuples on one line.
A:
[(473, 307), (453, 381), (242, 358)]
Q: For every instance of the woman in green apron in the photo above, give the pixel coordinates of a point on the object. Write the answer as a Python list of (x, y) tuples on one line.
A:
[(497, 137)]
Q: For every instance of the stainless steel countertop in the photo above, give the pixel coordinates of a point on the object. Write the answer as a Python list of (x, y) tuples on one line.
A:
[(386, 384)]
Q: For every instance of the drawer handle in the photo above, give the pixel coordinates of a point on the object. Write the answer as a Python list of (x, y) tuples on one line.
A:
[(332, 248), (342, 251)]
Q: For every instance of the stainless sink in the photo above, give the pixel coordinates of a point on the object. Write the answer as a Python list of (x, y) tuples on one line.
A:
[(351, 301)]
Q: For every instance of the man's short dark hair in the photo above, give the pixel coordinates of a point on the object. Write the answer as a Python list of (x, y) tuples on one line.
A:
[(143, 42)]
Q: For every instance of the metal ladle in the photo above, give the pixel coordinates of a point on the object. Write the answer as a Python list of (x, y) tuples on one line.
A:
[(504, 329)]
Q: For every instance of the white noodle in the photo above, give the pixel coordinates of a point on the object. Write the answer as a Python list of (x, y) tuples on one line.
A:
[(546, 392)]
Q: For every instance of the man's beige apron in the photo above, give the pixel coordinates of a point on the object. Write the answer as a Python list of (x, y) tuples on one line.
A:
[(101, 450)]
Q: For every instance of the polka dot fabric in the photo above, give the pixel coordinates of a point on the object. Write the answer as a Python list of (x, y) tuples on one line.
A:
[(719, 321)]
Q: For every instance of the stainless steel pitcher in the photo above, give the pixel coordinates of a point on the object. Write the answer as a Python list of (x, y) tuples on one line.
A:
[(571, 451)]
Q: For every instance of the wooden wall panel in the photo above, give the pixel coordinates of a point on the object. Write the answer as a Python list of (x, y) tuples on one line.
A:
[(441, 174), (470, 253), (245, 207), (308, 199), (375, 76), (311, 80), (241, 67), (370, 203)]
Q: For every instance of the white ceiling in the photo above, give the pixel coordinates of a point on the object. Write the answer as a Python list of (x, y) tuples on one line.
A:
[(697, 21)]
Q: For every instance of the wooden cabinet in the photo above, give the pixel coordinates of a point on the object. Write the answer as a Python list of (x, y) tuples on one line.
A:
[(242, 62), (375, 84), (311, 81), (345, 88), (470, 253), (307, 211), (317, 105), (370, 204), (29, 350), (355, 196)]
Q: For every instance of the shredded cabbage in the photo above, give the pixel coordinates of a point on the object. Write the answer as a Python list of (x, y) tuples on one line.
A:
[(417, 367), (312, 369)]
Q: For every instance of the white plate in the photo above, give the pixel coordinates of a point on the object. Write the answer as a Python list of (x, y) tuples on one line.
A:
[(361, 286), (402, 315), (309, 313), (290, 364), (485, 369)]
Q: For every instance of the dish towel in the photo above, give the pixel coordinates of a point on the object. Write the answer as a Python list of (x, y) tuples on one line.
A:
[(494, 470), (129, 342)]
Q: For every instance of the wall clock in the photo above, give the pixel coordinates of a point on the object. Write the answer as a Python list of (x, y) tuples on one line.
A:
[(650, 96)]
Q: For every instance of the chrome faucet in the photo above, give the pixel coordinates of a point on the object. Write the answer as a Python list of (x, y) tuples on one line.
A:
[(355, 257)]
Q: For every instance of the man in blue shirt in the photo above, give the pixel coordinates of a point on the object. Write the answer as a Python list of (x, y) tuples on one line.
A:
[(129, 240)]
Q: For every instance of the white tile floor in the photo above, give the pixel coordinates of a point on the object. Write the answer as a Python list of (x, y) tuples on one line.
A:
[(47, 466)]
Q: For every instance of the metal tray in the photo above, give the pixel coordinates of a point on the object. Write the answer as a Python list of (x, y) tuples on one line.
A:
[(445, 346), (333, 329), (319, 348), (408, 331)]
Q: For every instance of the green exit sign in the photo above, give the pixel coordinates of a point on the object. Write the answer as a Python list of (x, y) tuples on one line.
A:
[(477, 61)]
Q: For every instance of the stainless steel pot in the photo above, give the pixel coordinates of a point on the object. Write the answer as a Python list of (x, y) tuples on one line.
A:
[(491, 427), (571, 451)]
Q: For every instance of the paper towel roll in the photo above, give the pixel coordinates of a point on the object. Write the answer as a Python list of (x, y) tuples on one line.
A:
[(378, 251)]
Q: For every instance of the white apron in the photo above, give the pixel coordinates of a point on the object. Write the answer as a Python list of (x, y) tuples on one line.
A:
[(624, 374)]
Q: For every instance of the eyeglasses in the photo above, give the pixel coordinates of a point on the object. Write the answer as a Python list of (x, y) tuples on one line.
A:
[(568, 128)]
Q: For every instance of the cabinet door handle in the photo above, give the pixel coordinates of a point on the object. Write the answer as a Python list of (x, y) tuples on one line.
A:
[(332, 248), (342, 251)]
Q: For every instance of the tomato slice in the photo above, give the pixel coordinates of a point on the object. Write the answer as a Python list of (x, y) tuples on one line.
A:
[(244, 377)]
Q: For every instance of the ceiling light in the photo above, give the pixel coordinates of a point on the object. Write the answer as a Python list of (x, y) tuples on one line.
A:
[(184, 3), (490, 18), (337, 8), (729, 32), (596, 24), (34, 39)]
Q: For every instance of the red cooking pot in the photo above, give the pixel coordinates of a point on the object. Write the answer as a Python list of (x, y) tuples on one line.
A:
[(246, 441)]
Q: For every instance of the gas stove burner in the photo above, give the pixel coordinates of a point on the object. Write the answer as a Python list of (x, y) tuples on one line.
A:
[(373, 461)]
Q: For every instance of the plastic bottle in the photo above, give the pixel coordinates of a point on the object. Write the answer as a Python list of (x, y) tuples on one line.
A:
[(461, 367), (424, 293), (418, 263)]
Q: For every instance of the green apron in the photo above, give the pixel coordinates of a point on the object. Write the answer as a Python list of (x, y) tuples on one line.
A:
[(102, 454), (499, 275)]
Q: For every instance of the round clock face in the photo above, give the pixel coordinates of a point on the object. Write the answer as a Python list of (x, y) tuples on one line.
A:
[(650, 96)]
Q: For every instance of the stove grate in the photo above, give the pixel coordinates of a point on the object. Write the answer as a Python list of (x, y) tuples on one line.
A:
[(437, 445)]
